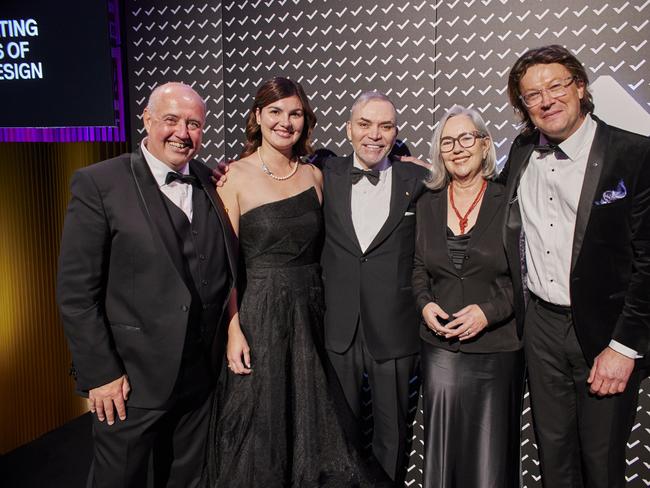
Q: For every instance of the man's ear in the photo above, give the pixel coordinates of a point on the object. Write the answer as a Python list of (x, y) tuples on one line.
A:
[(146, 119)]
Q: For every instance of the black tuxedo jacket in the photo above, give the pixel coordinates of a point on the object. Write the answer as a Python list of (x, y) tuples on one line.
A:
[(375, 285), (610, 263), (484, 278), (123, 300)]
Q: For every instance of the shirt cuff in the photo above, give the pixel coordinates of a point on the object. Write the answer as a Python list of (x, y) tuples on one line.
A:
[(624, 350)]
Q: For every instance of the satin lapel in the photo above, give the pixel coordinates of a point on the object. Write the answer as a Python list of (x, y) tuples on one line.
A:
[(589, 186), (402, 191), (489, 208), (217, 205), (339, 197), (158, 216), (521, 156)]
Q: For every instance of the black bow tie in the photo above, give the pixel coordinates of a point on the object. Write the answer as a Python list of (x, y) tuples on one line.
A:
[(549, 148), (174, 176), (357, 173)]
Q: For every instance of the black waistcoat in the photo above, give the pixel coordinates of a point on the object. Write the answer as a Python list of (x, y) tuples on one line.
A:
[(206, 274)]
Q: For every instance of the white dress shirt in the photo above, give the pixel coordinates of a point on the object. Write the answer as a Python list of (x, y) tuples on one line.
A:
[(549, 193), (179, 193), (371, 203)]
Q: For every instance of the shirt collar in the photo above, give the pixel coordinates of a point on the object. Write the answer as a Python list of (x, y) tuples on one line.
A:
[(382, 165), (579, 141), (157, 167)]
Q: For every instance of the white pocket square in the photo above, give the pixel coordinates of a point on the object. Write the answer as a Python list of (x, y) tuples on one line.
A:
[(406, 214)]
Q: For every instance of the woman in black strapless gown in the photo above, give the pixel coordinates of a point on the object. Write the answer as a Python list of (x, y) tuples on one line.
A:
[(278, 420)]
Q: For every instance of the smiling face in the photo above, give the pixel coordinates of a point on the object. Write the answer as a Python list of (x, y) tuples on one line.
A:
[(174, 120), (372, 129), (557, 118), (281, 123), (463, 163)]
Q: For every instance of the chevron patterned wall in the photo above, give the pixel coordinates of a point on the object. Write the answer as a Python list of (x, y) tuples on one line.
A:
[(426, 55)]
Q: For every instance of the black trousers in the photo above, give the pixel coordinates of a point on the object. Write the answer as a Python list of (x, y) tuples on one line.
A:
[(389, 385), (581, 437), (172, 440), (158, 447)]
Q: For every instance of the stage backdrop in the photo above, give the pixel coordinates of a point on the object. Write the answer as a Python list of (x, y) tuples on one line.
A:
[(425, 55)]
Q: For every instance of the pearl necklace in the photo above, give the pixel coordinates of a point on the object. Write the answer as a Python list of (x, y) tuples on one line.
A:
[(266, 169)]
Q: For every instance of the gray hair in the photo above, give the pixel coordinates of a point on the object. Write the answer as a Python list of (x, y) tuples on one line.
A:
[(438, 175), (368, 96)]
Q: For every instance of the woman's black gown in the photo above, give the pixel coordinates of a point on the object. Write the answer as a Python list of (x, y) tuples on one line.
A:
[(281, 426)]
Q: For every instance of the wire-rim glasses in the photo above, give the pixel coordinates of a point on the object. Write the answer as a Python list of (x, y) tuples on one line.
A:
[(556, 89)]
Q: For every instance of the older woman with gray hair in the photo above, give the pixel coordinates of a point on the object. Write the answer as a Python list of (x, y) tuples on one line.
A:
[(471, 358)]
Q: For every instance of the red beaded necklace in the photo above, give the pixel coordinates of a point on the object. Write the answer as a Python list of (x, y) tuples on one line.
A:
[(462, 219)]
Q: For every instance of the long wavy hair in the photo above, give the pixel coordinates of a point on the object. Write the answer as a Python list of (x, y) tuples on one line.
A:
[(271, 91), (546, 55)]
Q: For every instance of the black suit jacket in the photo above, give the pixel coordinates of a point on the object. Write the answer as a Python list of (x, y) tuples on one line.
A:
[(123, 300), (610, 264), (375, 285), (483, 280)]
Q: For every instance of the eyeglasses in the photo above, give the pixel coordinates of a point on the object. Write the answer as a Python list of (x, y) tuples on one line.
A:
[(556, 89), (465, 140)]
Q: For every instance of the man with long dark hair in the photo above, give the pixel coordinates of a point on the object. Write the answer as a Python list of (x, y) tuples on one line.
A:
[(571, 178)]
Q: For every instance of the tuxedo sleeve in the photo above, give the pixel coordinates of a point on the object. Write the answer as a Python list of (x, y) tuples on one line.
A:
[(633, 326), (420, 280), (81, 285)]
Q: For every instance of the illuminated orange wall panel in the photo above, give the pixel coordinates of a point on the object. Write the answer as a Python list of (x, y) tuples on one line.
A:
[(36, 391)]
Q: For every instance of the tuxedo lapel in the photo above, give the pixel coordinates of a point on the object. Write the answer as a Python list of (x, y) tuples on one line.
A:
[(519, 161), (158, 217), (209, 189), (520, 158), (402, 191), (339, 196), (589, 186)]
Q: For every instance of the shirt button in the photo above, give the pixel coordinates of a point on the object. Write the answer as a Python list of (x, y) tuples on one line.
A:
[(364, 260), (548, 252), (550, 198), (204, 282), (202, 257), (184, 308)]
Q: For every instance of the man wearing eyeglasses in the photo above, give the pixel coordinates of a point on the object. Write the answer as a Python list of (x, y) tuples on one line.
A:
[(578, 227)]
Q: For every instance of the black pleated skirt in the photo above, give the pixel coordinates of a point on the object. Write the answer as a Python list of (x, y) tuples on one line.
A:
[(472, 411)]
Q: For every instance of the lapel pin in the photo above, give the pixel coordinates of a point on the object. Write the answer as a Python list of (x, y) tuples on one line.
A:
[(408, 194)]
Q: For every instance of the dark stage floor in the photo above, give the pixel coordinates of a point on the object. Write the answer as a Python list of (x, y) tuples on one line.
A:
[(58, 459)]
